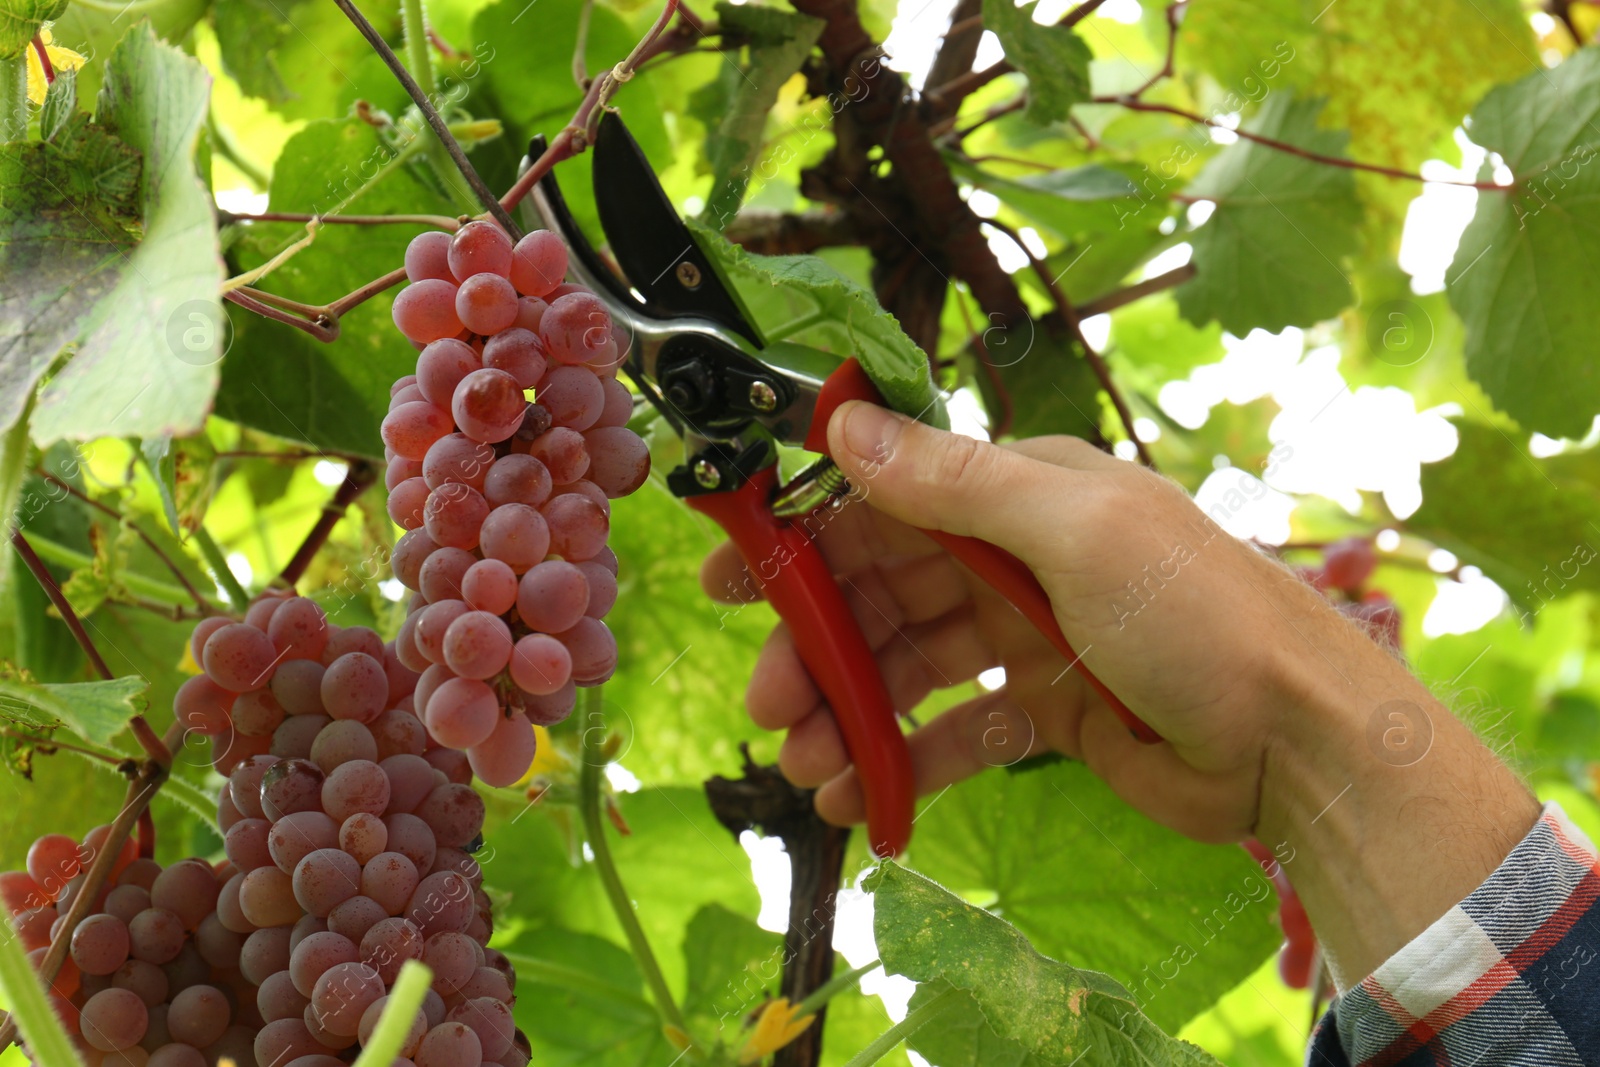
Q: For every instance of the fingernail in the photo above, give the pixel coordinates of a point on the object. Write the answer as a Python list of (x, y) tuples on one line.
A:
[(870, 431)]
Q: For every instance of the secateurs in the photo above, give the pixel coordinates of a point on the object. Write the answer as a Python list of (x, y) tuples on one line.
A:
[(731, 396)]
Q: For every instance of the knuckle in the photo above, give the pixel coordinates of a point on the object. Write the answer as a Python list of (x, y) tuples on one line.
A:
[(960, 461)]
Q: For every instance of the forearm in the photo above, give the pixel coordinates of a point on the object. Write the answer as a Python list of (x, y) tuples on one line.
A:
[(1385, 808)]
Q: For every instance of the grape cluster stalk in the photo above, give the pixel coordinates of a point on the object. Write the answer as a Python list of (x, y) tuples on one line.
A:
[(348, 815)]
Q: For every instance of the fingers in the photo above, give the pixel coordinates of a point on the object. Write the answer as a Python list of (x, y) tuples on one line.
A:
[(932, 478), (988, 731)]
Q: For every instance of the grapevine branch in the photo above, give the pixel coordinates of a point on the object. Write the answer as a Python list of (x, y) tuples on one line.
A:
[(479, 189), (1122, 297), (358, 477), (441, 222), (47, 581), (1075, 323)]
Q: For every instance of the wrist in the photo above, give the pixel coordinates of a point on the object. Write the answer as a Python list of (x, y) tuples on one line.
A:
[(1385, 809)]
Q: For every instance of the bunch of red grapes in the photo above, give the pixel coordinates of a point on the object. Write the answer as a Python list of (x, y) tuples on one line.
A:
[(1346, 566), (505, 449)]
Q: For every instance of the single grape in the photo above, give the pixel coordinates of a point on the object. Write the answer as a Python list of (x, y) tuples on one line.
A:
[(519, 352), (284, 1041), (259, 613), (506, 755), (390, 943), (114, 1019), (203, 631), (552, 708), (246, 846), (398, 733), (402, 679), (441, 574), (575, 328), (297, 686), (1347, 564), (354, 917), (294, 738), (289, 787), (315, 954), (454, 813), (432, 624), (450, 1044), (229, 911), (538, 263), (325, 878), (491, 1020), (578, 527), (342, 642), (589, 491), (412, 428), (488, 405), (405, 644), (218, 945), (540, 664), (125, 901), (452, 957), (100, 944), (431, 679), (145, 980), (480, 248), (454, 515), (427, 256), (425, 311), (411, 837), (406, 502), (530, 313), (574, 397), (33, 925), (299, 629), (267, 897), (296, 836), (410, 781), (342, 994), (277, 998), (398, 470), (602, 588), (486, 304), (405, 396), (490, 585), (244, 785), (441, 366), (203, 706), (563, 453), (239, 657), (341, 741), (355, 687), (199, 1015), (363, 835), (462, 713), (389, 878), (256, 713), (156, 935), (552, 596), (517, 479), (357, 786), (477, 645), (409, 553), (619, 460), (457, 458), (618, 407), (187, 968), (516, 535)]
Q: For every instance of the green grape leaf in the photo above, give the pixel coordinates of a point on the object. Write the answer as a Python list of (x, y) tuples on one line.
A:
[(95, 32), (733, 967), (1517, 278), (276, 378), (183, 471), (128, 376), (249, 33), (1092, 882), (1055, 59), (1048, 388), (841, 317), (1271, 253), (95, 711), (1072, 202), (1050, 1010), (20, 20), (1531, 525), (1150, 334), (779, 42)]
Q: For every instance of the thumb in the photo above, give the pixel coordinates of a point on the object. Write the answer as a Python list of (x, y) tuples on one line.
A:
[(939, 480)]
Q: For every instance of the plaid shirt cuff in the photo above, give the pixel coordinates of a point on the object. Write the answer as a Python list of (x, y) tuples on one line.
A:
[(1509, 976)]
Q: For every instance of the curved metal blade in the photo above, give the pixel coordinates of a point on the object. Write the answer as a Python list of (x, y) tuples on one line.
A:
[(650, 242)]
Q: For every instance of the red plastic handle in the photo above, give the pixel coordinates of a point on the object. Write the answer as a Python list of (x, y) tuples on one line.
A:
[(798, 584), (1008, 575)]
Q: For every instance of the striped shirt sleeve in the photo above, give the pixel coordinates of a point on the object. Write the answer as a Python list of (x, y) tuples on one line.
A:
[(1508, 977)]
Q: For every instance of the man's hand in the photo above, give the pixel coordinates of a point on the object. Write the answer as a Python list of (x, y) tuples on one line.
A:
[(1266, 696)]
